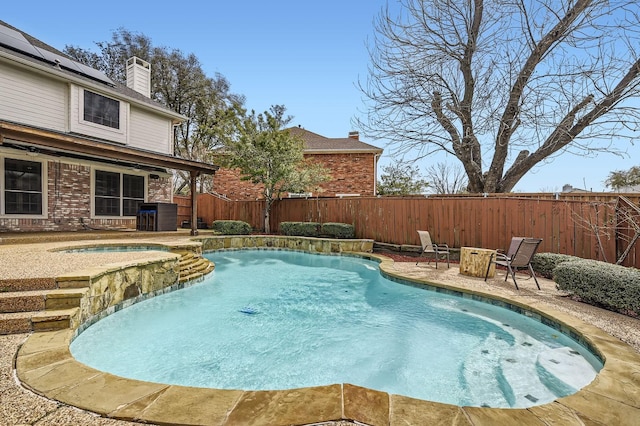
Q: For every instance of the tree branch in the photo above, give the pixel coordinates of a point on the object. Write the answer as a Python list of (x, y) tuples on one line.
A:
[(508, 121)]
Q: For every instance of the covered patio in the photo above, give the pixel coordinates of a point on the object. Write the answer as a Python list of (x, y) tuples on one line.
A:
[(36, 141)]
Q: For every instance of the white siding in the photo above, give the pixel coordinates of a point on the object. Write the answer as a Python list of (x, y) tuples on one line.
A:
[(35, 100), (151, 132), (32, 99)]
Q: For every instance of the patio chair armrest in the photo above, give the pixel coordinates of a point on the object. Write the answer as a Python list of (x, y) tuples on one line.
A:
[(500, 256)]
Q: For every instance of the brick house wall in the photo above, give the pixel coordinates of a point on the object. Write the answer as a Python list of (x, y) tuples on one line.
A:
[(69, 202), (69, 199), (227, 182), (352, 166), (160, 189), (351, 173)]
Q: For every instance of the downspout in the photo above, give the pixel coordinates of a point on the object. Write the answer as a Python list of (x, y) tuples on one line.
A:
[(375, 173)]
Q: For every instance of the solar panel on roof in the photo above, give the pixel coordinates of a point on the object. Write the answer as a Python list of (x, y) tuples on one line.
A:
[(94, 73), (61, 60), (16, 41)]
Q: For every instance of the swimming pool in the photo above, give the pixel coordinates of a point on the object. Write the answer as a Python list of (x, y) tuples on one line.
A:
[(247, 327)]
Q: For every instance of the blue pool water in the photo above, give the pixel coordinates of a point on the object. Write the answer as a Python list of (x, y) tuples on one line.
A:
[(281, 319)]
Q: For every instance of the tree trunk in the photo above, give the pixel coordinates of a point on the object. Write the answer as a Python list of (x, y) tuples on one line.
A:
[(267, 214)]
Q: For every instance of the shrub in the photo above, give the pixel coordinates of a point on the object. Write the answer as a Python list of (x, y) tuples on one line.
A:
[(545, 263), (300, 229), (231, 227), (338, 230), (612, 287)]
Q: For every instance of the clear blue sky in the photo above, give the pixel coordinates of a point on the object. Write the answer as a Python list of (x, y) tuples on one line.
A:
[(307, 56)]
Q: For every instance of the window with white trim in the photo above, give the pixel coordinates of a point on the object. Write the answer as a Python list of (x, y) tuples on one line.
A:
[(22, 187), (101, 110), (117, 194)]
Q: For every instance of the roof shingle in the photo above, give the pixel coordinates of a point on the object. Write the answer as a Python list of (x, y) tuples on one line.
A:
[(318, 143)]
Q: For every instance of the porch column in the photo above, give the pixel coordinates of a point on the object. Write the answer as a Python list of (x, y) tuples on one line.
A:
[(194, 203)]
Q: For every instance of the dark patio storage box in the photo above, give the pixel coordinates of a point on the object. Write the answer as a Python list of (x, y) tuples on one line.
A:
[(157, 217)]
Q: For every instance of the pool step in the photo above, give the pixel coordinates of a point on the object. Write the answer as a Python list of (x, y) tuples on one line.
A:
[(38, 304), (193, 267), (26, 311)]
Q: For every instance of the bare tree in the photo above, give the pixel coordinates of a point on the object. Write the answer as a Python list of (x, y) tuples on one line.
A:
[(619, 220), (503, 85), (445, 178)]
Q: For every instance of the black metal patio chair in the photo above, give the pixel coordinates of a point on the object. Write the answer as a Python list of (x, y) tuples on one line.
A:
[(519, 256)]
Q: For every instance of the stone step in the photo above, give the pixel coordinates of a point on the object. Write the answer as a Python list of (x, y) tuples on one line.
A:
[(196, 265), (186, 260), (196, 274), (199, 267), (53, 320), (64, 298), (39, 300), (46, 304), (26, 322)]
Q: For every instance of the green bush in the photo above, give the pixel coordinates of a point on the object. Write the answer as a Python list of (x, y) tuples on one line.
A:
[(300, 229), (231, 227), (612, 287), (545, 263), (338, 230)]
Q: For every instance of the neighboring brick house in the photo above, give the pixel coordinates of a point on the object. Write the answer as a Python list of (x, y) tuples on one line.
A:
[(352, 164), (77, 150)]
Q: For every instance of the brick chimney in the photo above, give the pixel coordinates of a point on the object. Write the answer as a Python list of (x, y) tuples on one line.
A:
[(139, 76), (354, 135)]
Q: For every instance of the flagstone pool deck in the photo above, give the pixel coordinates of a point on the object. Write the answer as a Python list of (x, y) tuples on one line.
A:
[(40, 382)]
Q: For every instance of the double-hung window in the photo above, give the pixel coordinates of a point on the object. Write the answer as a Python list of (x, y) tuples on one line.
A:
[(118, 194), (22, 187)]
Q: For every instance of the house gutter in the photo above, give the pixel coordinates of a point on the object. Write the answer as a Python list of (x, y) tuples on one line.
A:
[(375, 173)]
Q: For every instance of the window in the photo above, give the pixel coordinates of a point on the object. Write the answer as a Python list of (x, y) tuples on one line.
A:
[(116, 192), (101, 110), (107, 193), (22, 187), (132, 193)]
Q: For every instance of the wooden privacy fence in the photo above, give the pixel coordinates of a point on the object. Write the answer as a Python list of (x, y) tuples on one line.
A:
[(593, 228)]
